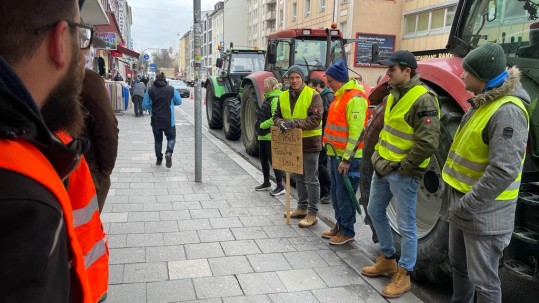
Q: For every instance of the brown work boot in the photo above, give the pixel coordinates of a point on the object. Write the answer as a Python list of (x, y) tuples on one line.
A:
[(297, 213), (383, 266), (340, 239), (309, 221), (398, 285), (328, 234)]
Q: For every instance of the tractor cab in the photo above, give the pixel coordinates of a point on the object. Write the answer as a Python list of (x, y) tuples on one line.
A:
[(313, 50), (235, 64)]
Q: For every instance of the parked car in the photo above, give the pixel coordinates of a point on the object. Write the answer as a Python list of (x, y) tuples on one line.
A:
[(181, 87)]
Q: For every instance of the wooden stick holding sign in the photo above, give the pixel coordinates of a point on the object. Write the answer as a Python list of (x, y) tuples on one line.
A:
[(287, 156)]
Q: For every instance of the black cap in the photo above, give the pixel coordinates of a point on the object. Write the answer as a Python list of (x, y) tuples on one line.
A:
[(402, 57)]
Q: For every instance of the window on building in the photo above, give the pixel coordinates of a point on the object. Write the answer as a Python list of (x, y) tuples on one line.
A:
[(281, 17), (307, 8), (343, 28), (438, 19), (294, 11), (322, 5), (344, 1), (425, 22), (450, 15)]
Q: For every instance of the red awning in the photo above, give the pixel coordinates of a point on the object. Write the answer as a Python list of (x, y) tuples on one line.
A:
[(127, 51)]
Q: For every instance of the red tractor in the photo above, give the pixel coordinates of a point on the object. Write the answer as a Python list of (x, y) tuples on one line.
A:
[(313, 50), (513, 26)]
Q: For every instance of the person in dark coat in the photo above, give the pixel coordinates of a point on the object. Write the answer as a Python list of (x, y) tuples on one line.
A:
[(160, 100), (101, 128), (323, 172)]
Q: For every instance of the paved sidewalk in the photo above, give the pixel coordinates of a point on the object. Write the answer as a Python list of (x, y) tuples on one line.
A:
[(174, 240)]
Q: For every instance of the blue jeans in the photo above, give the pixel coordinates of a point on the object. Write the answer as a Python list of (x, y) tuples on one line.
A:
[(345, 213), (170, 133), (404, 189)]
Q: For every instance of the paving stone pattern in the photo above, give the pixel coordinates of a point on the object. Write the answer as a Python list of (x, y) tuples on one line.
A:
[(174, 240)]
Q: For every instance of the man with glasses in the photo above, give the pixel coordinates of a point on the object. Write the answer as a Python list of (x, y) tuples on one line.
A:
[(40, 57)]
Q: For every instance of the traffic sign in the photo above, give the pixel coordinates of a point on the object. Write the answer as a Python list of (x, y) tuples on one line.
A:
[(146, 56), (153, 65)]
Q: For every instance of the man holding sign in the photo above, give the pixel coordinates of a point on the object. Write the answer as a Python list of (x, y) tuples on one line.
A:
[(301, 107), (346, 119)]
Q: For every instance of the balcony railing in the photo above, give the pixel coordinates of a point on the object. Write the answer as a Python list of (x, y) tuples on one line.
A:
[(270, 15)]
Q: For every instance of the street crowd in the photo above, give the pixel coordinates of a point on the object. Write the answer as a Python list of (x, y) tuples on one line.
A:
[(59, 137)]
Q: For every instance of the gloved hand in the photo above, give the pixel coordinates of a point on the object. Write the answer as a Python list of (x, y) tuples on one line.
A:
[(285, 125)]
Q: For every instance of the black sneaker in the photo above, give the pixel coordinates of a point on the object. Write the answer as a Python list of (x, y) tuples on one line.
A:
[(158, 161), (168, 158), (279, 190), (263, 186), (325, 199)]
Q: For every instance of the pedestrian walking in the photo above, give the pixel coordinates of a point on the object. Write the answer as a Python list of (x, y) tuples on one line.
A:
[(301, 107), (323, 172), (137, 94), (345, 122), (159, 100), (101, 129), (118, 77), (406, 143), (41, 259), (272, 89), (483, 170)]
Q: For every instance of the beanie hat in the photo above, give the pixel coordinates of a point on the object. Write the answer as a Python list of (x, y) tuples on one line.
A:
[(338, 71), (296, 69), (485, 62)]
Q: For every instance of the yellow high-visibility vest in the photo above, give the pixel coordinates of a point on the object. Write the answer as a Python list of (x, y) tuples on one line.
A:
[(468, 155), (300, 109), (397, 137)]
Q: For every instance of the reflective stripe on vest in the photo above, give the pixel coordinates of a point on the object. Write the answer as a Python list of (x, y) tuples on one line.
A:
[(397, 137), (22, 157), (300, 109), (468, 155), (336, 131), (88, 225)]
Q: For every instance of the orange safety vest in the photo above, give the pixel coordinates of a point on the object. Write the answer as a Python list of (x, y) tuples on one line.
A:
[(88, 226), (22, 157), (336, 130)]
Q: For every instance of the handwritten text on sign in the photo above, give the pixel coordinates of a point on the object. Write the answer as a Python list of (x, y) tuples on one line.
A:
[(287, 150)]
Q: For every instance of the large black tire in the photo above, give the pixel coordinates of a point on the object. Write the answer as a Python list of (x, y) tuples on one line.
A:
[(432, 203), (213, 108), (231, 118), (249, 112)]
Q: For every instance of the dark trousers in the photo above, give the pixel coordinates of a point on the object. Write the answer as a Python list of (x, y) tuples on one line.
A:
[(323, 174), (137, 101), (102, 186), (265, 160), (170, 133)]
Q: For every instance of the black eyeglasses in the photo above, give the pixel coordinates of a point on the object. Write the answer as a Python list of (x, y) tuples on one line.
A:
[(86, 32)]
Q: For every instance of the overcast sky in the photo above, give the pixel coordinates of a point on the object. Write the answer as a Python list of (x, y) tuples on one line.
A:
[(161, 24)]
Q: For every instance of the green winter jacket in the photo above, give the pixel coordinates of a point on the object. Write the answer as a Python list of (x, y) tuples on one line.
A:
[(269, 123)]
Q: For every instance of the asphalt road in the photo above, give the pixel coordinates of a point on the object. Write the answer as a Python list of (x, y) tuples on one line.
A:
[(514, 289)]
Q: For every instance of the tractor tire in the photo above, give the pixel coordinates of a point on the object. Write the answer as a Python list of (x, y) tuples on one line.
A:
[(231, 118), (213, 108), (432, 208), (249, 112)]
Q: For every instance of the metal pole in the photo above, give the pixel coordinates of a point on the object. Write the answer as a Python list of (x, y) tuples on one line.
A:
[(198, 91)]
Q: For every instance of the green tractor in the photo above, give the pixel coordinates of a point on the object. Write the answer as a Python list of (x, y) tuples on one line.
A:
[(223, 104)]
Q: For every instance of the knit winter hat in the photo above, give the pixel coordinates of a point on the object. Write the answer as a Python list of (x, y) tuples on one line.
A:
[(296, 69), (338, 71), (485, 62)]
